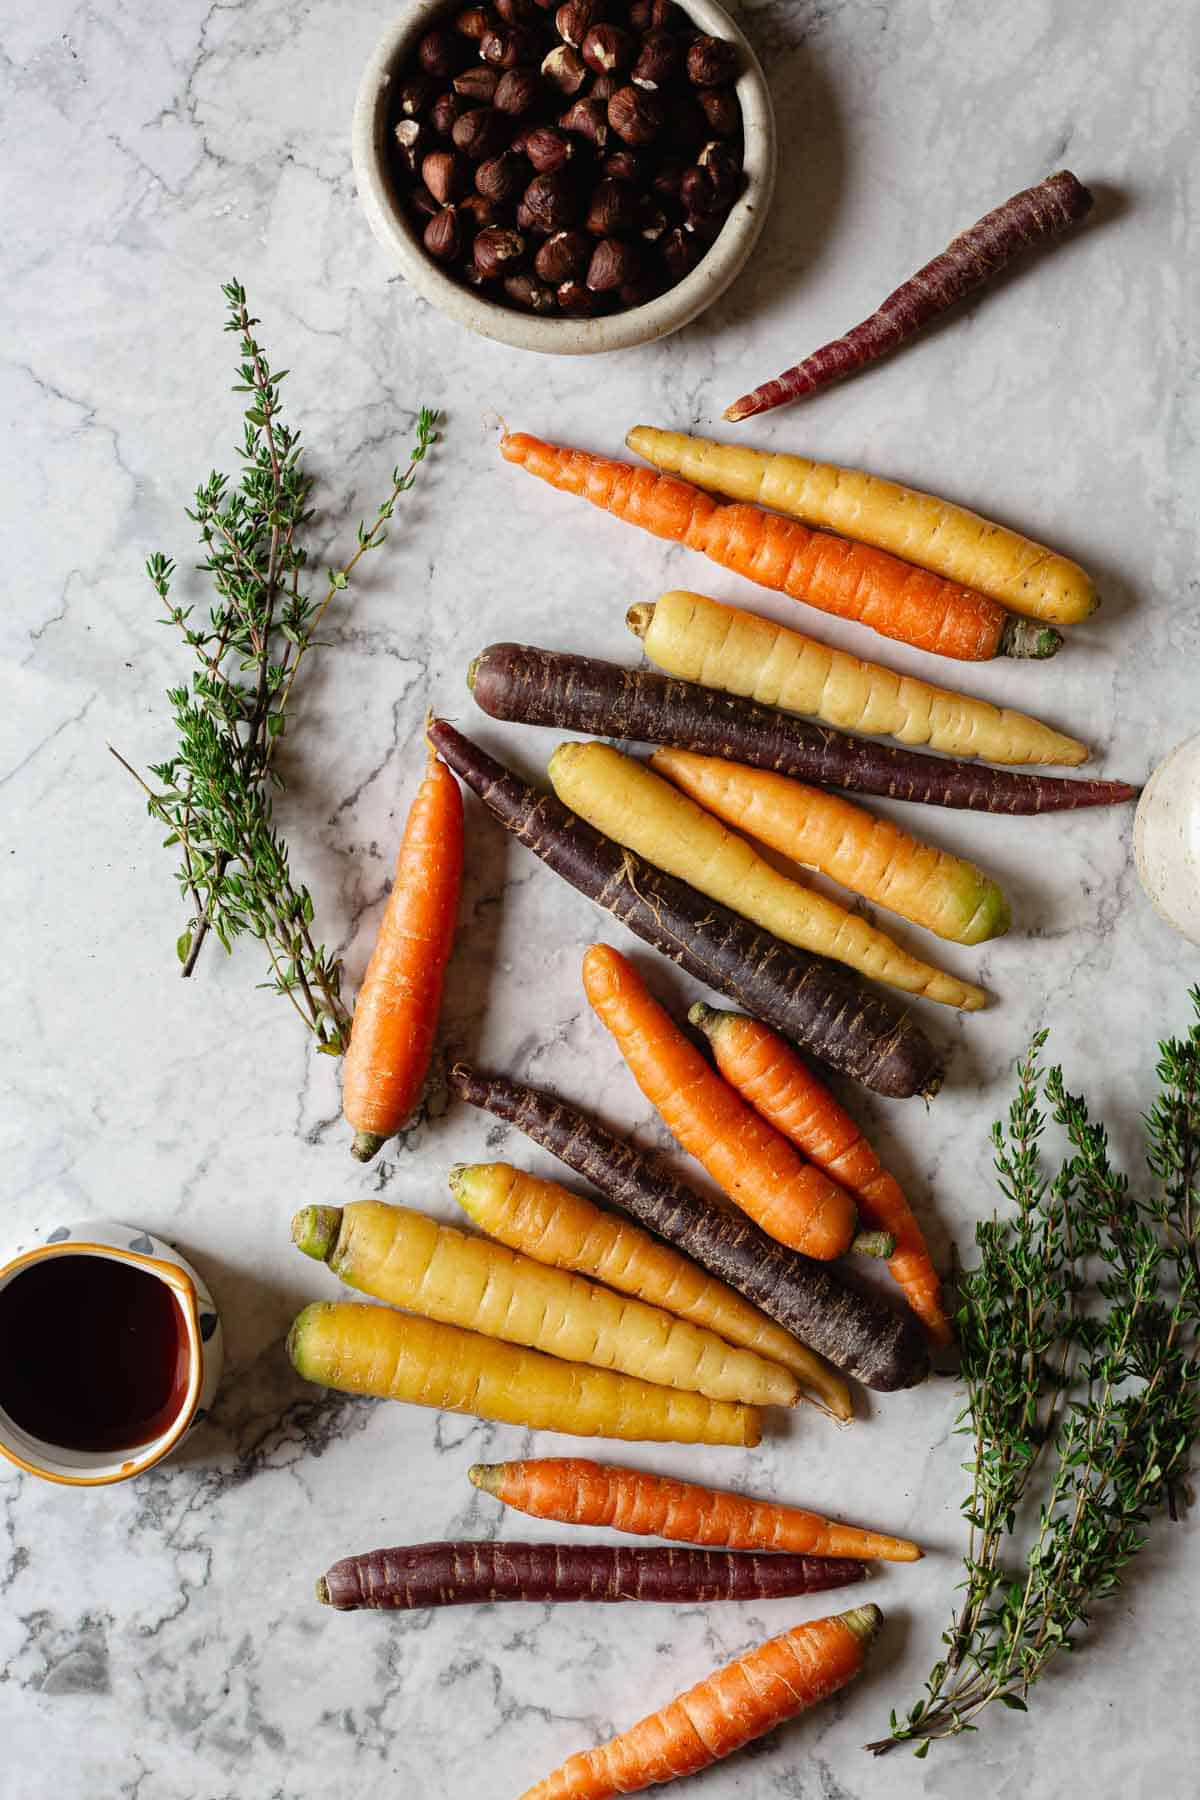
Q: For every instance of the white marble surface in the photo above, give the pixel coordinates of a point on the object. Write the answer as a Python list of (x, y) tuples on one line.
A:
[(160, 1639)]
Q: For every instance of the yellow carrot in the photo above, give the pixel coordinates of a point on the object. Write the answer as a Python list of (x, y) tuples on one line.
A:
[(554, 1226), (410, 1260), (935, 534), (629, 803), (721, 647), (823, 831), (373, 1350)]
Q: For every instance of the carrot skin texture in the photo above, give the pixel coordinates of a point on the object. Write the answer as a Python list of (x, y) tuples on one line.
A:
[(475, 1574), (918, 527), (374, 1350), (565, 1230), (967, 262), (527, 685), (768, 1074), (572, 1490), (807, 998), (719, 1715), (881, 1348), (848, 580), (396, 1014), (757, 1168), (865, 853)]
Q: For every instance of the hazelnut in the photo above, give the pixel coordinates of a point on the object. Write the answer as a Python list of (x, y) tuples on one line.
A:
[(678, 252), (667, 178), (563, 257), (474, 22), (723, 170), (509, 47), (550, 202), (523, 290), (657, 15), (613, 264), (574, 19), (607, 49), (635, 116), (478, 84), (444, 175), (525, 219), (603, 88), (564, 69), (479, 133), (652, 224), (516, 12), (574, 297), (516, 91), (697, 193), (500, 176), (414, 95), (445, 109), (657, 61), (423, 203), (710, 61), (622, 165), (443, 236), (439, 53), (722, 114), (477, 212), (498, 252), (613, 209), (407, 135), (548, 148), (588, 119)]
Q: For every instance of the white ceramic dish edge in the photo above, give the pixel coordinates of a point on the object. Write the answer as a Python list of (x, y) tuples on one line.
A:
[(563, 337)]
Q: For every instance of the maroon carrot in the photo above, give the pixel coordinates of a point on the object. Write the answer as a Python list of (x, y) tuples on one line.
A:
[(1029, 218), (816, 1003), (473, 1574), (584, 693)]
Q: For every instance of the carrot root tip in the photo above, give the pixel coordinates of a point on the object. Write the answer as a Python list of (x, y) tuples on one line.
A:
[(485, 1476), (366, 1145), (315, 1230), (863, 1621), (323, 1592), (1028, 638), (873, 1243), (638, 618)]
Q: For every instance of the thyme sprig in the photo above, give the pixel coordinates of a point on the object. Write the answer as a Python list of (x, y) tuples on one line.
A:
[(215, 794), (1079, 1356)]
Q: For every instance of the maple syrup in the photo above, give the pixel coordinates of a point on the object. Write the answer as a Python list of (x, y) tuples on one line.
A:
[(94, 1353)]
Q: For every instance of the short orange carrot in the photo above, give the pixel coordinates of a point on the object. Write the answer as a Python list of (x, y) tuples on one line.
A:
[(396, 1017), (755, 1165), (767, 1072), (577, 1491), (731, 1707), (850, 580)]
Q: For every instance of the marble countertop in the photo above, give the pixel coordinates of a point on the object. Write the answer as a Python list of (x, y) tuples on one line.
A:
[(160, 1639)]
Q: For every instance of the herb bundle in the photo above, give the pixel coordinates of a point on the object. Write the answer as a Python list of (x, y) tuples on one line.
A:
[(215, 795), (1079, 1355)]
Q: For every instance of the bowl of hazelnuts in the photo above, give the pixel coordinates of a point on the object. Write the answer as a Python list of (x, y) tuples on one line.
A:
[(566, 175)]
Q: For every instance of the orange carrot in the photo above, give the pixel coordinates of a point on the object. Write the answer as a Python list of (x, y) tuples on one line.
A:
[(755, 1165), (850, 580), (734, 1705), (767, 1072), (397, 1012), (576, 1491)]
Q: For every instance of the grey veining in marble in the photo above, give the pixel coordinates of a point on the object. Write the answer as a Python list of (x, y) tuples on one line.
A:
[(161, 1640)]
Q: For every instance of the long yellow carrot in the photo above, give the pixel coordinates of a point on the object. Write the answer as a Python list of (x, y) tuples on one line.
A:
[(933, 533), (632, 805), (554, 1226), (719, 646), (871, 856), (374, 1350), (410, 1260)]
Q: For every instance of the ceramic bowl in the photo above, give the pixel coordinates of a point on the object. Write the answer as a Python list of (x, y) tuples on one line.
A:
[(205, 1345), (1166, 839), (565, 337)]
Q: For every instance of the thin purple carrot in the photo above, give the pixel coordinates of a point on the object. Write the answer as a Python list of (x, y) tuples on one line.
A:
[(1029, 218)]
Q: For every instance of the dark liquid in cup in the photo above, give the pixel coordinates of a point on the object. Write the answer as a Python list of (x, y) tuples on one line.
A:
[(93, 1353)]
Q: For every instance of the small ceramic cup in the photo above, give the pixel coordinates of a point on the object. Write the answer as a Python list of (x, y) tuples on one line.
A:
[(204, 1351), (525, 331), (1166, 839)]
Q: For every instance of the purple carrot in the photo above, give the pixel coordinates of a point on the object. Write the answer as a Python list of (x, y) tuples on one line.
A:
[(472, 1574), (1030, 217), (584, 693)]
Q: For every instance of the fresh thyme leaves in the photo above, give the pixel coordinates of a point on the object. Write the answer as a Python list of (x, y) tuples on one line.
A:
[(215, 794), (1079, 1355)]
